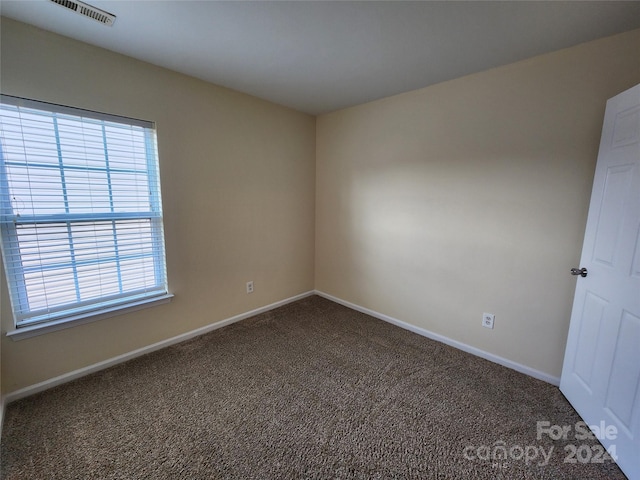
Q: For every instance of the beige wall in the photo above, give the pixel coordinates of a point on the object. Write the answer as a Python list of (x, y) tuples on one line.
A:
[(238, 181), (431, 206), (470, 196)]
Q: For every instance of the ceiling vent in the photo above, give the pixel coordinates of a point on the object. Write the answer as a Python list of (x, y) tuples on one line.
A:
[(88, 11)]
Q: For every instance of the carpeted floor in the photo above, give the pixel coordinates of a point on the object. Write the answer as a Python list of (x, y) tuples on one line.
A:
[(309, 390)]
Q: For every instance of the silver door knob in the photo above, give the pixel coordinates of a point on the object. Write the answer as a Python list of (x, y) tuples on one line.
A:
[(579, 271)]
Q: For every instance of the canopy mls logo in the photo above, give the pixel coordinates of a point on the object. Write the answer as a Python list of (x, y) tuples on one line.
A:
[(501, 454)]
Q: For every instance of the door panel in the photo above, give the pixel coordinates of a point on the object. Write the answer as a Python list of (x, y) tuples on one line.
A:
[(592, 316), (624, 373), (616, 190)]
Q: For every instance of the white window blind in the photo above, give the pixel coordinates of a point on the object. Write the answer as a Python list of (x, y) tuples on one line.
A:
[(80, 211)]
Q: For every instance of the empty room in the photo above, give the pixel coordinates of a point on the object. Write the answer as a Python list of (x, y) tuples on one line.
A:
[(308, 239)]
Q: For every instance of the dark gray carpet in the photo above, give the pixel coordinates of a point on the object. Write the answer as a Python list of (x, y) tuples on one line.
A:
[(309, 390)]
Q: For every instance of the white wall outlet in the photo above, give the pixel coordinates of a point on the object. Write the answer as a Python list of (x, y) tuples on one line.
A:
[(487, 320), (250, 287)]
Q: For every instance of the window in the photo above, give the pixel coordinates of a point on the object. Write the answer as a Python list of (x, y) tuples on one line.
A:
[(80, 212)]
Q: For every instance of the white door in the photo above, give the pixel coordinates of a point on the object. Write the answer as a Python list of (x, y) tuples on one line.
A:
[(601, 371)]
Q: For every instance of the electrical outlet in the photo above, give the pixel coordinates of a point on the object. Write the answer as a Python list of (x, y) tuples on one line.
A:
[(250, 287), (487, 320)]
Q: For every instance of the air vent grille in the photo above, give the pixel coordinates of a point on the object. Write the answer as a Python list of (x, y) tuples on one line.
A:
[(87, 10), (66, 3)]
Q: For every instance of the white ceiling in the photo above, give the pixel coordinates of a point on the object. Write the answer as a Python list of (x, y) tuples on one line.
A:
[(317, 56)]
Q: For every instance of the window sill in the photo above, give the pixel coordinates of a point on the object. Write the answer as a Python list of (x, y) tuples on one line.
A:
[(41, 329)]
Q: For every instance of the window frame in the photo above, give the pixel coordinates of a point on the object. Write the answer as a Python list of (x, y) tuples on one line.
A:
[(82, 311)]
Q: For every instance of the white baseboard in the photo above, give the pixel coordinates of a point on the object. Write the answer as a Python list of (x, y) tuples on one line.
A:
[(67, 377), (454, 343)]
